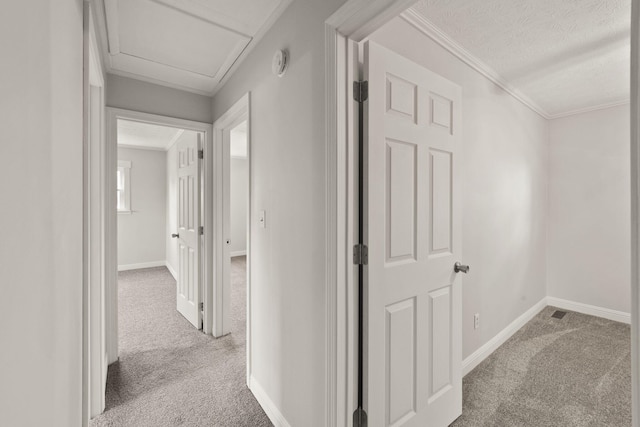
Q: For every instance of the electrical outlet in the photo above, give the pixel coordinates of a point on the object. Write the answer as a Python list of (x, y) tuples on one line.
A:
[(476, 321)]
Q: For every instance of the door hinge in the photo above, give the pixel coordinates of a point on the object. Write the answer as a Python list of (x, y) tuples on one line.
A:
[(201, 306), (360, 254), (201, 230), (359, 418), (361, 91), (201, 154)]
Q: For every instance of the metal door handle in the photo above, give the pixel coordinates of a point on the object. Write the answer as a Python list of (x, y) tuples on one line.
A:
[(175, 235), (457, 267)]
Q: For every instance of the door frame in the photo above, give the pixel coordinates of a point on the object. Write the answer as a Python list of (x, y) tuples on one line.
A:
[(353, 22), (237, 113), (94, 360), (635, 212), (111, 262)]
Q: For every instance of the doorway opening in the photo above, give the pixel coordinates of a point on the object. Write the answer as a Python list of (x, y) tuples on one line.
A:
[(347, 33)]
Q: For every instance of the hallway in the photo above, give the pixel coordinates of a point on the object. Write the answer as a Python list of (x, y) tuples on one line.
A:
[(170, 374)]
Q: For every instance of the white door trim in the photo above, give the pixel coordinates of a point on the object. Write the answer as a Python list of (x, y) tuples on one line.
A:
[(635, 211), (238, 112), (354, 21), (94, 365), (111, 264)]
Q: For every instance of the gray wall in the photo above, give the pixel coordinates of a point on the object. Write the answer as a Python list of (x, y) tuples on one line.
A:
[(288, 181), (589, 223), (141, 234), (136, 95), (505, 162), (41, 185)]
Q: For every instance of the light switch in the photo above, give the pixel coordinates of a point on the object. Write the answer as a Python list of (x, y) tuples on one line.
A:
[(262, 219)]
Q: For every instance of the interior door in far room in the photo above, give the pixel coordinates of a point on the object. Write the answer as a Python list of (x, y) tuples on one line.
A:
[(188, 286), (412, 220)]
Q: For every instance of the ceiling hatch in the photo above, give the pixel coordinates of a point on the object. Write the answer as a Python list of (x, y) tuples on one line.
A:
[(188, 44)]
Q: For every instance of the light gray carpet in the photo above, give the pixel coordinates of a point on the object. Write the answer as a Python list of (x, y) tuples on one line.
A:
[(574, 371), (170, 374)]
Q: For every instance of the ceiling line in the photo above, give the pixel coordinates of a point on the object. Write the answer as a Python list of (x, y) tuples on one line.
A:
[(589, 109), (426, 27)]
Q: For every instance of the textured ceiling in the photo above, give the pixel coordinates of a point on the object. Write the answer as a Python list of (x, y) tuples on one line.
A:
[(145, 135), (564, 55)]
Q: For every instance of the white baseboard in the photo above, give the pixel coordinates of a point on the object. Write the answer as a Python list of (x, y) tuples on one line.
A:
[(126, 267), (606, 313), (238, 253), (267, 404), (492, 345), (172, 271)]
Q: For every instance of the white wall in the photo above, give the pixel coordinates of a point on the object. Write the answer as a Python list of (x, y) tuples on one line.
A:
[(589, 223), (171, 205), (288, 163), (505, 162), (41, 185), (141, 234), (239, 195), (136, 95)]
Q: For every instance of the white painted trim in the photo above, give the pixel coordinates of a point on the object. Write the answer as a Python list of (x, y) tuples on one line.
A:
[(238, 253), (107, 13), (255, 39), (172, 271), (270, 408), (240, 111), (475, 358), (590, 109), (141, 147), (174, 139), (94, 363), (418, 21), (113, 114), (592, 310), (635, 212), (127, 267), (237, 113), (427, 28), (355, 20)]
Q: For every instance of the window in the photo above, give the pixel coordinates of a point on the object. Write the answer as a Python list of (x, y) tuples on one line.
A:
[(123, 187)]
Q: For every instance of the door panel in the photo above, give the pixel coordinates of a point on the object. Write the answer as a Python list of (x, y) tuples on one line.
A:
[(188, 286), (413, 362)]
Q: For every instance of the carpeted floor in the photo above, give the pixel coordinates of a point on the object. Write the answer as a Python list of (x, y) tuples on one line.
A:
[(170, 374), (568, 372)]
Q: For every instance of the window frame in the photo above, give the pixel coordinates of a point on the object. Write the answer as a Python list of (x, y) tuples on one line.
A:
[(125, 166)]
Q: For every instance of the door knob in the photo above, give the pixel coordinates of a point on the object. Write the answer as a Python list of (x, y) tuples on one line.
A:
[(457, 267), (175, 235)]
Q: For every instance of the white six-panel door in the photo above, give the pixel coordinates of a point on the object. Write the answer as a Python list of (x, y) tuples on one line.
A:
[(188, 286), (412, 223)]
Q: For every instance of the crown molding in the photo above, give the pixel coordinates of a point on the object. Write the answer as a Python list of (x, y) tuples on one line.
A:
[(415, 19), (426, 27), (590, 109)]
